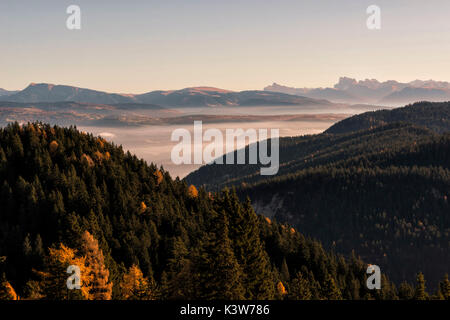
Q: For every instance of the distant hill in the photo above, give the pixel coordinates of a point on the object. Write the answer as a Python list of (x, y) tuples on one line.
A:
[(43, 92), (303, 152), (435, 116), (416, 94), (201, 96), (391, 92), (331, 94), (77, 113), (189, 97), (4, 92), (379, 182), (347, 137)]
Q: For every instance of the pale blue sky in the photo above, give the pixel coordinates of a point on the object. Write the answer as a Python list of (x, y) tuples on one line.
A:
[(138, 46)]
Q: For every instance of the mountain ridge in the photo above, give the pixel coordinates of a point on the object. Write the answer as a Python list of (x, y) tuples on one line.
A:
[(349, 90), (187, 97)]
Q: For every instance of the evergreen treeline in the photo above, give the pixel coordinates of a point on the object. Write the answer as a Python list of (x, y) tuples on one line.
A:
[(303, 152), (433, 115), (382, 191), (68, 198)]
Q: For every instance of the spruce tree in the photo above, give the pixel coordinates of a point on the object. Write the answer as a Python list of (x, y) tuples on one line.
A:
[(259, 279), (444, 287), (300, 288), (405, 291), (420, 290), (220, 275), (330, 290)]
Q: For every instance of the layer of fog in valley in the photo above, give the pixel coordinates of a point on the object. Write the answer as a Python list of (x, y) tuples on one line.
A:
[(153, 142), (147, 132)]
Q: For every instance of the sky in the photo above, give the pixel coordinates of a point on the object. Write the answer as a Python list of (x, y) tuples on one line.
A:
[(139, 46)]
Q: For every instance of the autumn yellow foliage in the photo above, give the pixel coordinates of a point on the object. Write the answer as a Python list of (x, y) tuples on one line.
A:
[(7, 292), (281, 289), (159, 177), (192, 191), (53, 146), (55, 276), (85, 159), (98, 156), (100, 286), (100, 142), (135, 286), (143, 207)]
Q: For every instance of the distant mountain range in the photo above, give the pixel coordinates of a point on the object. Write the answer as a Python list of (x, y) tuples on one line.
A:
[(4, 92), (391, 92), (189, 97), (346, 91)]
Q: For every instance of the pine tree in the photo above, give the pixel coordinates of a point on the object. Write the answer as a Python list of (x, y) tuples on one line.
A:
[(444, 287), (258, 277), (179, 271), (420, 292), (27, 249), (38, 247), (405, 291), (285, 271), (164, 287), (330, 290), (33, 290), (219, 272), (300, 288), (101, 288)]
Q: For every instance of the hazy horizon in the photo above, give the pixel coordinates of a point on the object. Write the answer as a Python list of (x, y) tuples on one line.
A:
[(331, 85), (140, 46)]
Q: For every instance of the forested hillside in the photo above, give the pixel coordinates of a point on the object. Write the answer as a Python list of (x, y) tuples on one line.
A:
[(68, 198), (302, 152), (382, 191), (433, 115)]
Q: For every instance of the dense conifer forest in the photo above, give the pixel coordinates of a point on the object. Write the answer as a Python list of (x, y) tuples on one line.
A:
[(69, 198), (433, 115), (377, 183)]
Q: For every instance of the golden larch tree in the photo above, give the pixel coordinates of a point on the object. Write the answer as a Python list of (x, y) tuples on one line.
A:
[(159, 177), (192, 191), (142, 207), (7, 292), (53, 146), (281, 289), (100, 287), (54, 278), (135, 286)]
